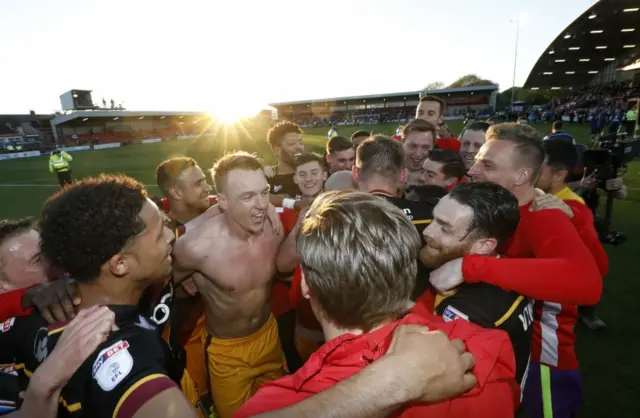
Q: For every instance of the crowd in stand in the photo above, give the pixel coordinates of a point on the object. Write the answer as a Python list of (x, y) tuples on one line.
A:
[(611, 101)]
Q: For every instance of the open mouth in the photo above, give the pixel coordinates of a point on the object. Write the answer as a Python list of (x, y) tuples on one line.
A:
[(257, 218)]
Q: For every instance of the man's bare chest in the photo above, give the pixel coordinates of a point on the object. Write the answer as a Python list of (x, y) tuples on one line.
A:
[(242, 266)]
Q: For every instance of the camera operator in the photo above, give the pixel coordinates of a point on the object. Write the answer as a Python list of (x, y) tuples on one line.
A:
[(587, 188)]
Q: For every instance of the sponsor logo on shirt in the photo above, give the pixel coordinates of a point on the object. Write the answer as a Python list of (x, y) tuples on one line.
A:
[(277, 188), (451, 314), (10, 369), (113, 364), (408, 213), (6, 325)]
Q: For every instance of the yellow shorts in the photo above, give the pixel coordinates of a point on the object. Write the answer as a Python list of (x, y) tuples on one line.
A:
[(195, 358), (191, 393), (238, 367)]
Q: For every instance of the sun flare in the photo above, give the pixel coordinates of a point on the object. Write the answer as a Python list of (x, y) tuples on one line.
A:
[(233, 110)]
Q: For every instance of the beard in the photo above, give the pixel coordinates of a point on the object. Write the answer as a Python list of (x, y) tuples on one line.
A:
[(433, 255)]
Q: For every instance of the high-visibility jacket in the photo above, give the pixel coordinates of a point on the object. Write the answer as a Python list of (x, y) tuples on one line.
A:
[(632, 115), (332, 133), (60, 162)]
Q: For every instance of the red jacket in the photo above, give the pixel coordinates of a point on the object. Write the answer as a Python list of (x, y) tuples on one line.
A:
[(553, 340), (280, 298), (496, 395), (546, 260), (11, 304)]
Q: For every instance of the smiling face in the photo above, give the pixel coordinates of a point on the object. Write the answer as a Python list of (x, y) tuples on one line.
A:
[(148, 257), (193, 189), (244, 197), (310, 178), (447, 236), (290, 147), (417, 146), (495, 163), (470, 144), (20, 262)]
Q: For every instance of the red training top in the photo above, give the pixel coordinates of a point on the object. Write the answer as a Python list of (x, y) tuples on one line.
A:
[(280, 299), (545, 260), (496, 394), (553, 339), (559, 272)]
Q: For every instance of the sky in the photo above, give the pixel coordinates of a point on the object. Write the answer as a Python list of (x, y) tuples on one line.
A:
[(213, 55)]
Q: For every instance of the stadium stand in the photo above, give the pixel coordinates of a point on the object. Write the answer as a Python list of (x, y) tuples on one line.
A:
[(477, 101), (119, 126), (25, 132)]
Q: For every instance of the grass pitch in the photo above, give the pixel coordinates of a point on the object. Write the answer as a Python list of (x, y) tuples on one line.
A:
[(609, 361)]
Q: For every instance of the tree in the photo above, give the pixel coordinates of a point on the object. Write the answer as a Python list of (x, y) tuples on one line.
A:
[(436, 85), (470, 80)]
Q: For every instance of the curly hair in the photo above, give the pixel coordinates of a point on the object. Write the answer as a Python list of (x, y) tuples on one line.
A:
[(275, 134), (85, 225), (11, 228)]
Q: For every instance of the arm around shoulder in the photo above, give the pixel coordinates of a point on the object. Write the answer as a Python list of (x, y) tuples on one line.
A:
[(185, 258)]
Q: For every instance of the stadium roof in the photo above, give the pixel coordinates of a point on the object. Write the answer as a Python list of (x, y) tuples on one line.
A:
[(607, 33), (60, 119), (489, 87)]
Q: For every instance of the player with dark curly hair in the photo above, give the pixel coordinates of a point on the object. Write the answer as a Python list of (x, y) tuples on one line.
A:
[(285, 139), (111, 238)]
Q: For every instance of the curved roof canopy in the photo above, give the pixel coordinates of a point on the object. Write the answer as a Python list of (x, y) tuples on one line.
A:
[(607, 33)]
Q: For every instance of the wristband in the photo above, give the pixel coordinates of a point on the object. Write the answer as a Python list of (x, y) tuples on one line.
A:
[(288, 203)]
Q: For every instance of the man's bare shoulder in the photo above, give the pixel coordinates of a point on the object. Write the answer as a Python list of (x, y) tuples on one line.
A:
[(198, 239)]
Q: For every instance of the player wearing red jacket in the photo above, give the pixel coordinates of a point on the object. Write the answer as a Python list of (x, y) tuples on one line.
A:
[(310, 177), (358, 254), (553, 349), (546, 259)]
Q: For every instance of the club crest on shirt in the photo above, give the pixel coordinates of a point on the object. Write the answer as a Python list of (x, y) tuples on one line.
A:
[(451, 314), (113, 364), (6, 325)]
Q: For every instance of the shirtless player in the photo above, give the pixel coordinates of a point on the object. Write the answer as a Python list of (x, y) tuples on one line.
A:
[(232, 260)]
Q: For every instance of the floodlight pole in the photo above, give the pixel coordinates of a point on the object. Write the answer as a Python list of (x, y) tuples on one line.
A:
[(515, 61)]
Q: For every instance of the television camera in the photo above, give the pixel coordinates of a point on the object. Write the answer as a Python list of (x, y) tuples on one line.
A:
[(608, 161)]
